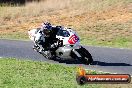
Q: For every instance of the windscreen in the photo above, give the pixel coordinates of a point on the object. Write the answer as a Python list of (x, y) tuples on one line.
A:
[(63, 33)]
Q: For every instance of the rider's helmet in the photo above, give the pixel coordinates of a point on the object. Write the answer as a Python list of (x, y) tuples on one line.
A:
[(46, 28)]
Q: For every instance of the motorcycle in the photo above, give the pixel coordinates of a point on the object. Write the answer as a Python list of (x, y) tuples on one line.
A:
[(68, 46)]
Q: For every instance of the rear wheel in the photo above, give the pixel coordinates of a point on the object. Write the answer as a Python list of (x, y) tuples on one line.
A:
[(48, 55), (36, 48)]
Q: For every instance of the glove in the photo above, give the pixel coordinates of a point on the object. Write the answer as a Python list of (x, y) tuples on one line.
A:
[(54, 45), (60, 43)]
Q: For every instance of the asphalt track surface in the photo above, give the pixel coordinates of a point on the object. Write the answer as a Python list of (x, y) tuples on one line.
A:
[(111, 60)]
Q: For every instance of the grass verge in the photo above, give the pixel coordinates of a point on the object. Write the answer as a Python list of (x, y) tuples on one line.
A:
[(16, 73)]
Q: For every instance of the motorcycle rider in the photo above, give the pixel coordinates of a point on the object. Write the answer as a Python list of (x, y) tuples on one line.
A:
[(46, 39)]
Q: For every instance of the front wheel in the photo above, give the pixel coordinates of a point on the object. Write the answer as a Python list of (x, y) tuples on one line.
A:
[(86, 56)]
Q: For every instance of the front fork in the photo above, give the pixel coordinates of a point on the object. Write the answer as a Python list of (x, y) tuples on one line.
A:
[(78, 55), (75, 54)]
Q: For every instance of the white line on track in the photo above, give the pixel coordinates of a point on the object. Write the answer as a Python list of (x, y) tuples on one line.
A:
[(0, 57)]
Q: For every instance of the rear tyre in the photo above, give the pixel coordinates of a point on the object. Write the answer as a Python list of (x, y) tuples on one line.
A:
[(47, 55), (36, 48)]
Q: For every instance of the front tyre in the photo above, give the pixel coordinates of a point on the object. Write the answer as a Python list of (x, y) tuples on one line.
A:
[(86, 56)]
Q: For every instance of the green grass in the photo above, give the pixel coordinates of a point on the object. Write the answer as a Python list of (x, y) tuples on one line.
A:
[(16, 73), (118, 42)]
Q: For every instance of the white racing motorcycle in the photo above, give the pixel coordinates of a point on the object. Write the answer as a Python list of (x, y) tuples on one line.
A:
[(69, 46)]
